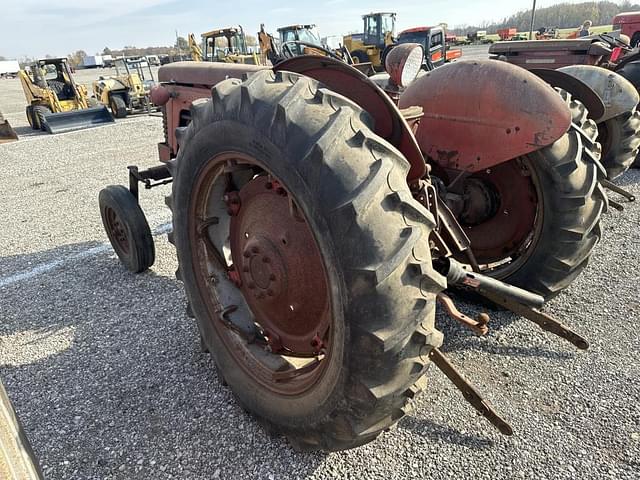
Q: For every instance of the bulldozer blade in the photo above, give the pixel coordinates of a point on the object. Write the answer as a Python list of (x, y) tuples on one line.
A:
[(7, 134), (77, 119)]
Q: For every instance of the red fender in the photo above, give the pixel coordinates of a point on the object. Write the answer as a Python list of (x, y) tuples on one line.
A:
[(478, 114)]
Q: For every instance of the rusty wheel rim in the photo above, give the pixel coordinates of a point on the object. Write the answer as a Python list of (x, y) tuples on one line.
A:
[(504, 243), (274, 260), (116, 231)]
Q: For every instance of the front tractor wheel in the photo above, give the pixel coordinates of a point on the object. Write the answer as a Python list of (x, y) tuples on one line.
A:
[(127, 228), (304, 258), (534, 221)]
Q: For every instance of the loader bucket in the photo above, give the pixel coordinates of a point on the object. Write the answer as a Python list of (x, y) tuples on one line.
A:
[(7, 134), (77, 119)]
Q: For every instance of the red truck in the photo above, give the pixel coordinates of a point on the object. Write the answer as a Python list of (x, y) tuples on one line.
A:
[(629, 24), (506, 34)]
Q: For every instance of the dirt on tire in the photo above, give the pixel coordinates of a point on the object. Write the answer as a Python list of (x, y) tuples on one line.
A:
[(372, 235)]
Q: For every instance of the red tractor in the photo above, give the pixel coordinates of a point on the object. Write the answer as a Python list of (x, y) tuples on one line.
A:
[(317, 222), (604, 64)]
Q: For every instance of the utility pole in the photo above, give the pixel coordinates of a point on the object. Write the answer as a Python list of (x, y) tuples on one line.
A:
[(533, 19)]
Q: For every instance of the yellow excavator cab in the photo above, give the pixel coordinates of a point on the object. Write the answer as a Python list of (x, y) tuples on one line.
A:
[(379, 32)]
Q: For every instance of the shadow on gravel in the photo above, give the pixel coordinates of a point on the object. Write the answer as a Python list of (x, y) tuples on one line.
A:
[(28, 132), (439, 433), (106, 373)]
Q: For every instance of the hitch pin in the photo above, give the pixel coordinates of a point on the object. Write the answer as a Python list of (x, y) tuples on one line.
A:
[(479, 325), (469, 392)]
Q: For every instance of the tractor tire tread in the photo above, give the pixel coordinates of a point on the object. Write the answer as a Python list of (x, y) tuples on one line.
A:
[(390, 309)]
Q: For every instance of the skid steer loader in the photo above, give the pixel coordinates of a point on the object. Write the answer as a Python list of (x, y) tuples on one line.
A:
[(128, 91), (56, 103)]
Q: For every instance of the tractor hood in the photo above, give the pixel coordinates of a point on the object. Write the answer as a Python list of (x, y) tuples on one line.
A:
[(478, 114)]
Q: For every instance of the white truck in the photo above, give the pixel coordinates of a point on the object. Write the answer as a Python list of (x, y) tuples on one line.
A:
[(92, 61), (9, 68)]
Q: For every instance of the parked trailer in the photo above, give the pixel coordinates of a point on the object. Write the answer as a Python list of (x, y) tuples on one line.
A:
[(9, 68), (92, 61)]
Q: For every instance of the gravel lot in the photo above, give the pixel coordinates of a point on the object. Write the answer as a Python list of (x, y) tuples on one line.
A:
[(106, 372)]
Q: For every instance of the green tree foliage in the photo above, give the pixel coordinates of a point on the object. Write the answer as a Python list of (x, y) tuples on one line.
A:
[(562, 15)]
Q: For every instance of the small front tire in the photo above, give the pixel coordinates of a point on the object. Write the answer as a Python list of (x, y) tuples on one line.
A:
[(127, 228), (118, 106)]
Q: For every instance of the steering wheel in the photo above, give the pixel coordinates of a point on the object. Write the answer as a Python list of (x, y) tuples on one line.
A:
[(288, 51), (615, 41)]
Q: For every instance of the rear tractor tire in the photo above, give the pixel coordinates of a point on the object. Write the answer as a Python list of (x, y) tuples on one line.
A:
[(547, 220), (305, 244), (620, 138), (118, 106), (127, 228)]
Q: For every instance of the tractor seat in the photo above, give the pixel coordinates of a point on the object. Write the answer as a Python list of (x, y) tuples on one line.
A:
[(61, 89)]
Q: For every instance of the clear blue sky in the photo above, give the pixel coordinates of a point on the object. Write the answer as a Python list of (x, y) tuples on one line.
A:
[(59, 27)]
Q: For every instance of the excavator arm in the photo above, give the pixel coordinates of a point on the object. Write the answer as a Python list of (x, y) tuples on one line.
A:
[(196, 51)]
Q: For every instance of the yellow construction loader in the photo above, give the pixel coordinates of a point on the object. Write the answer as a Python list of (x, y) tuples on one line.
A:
[(223, 45), (7, 134), (379, 33), (129, 91), (55, 102)]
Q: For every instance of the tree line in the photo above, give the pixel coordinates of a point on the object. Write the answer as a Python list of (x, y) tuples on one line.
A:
[(562, 15)]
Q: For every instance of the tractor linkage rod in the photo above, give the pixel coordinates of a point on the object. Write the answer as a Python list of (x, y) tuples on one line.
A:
[(517, 300), (160, 174), (469, 392), (608, 184)]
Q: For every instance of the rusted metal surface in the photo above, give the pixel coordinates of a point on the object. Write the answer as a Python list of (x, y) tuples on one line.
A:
[(507, 221), (544, 321), (576, 87), (203, 73), (551, 54), (280, 267), (457, 276), (618, 94), (260, 275), (478, 114), (479, 325), (347, 81), (403, 58), (469, 392)]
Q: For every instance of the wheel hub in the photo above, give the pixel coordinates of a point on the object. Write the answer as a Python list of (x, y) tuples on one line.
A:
[(280, 267), (117, 230)]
